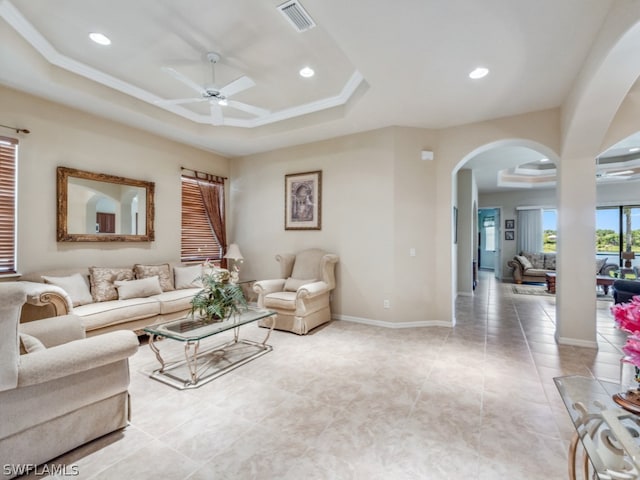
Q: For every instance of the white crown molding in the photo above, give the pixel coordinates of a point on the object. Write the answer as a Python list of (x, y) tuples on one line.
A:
[(14, 18)]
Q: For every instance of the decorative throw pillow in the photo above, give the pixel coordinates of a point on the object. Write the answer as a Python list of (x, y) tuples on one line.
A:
[(144, 287), (524, 261), (102, 278), (163, 272), (550, 261), (536, 259), (293, 284), (188, 276), (600, 262), (30, 344), (75, 285)]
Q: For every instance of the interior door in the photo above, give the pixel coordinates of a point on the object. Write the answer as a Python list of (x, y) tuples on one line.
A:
[(487, 244), (497, 255), (105, 222)]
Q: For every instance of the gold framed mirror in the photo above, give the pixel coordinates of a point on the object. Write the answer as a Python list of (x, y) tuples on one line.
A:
[(95, 207)]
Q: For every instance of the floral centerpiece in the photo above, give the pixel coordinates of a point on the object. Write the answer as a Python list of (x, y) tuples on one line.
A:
[(219, 298), (627, 317)]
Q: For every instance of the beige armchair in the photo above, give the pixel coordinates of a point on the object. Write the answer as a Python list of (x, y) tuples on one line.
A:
[(301, 297), (67, 391)]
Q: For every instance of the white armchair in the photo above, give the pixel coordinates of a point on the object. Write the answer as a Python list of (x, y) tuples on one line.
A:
[(66, 391), (301, 296)]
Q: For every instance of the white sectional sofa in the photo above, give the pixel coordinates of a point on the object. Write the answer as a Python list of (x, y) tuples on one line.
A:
[(112, 298)]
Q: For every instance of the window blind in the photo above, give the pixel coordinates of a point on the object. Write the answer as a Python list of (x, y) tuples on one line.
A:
[(8, 160), (198, 240)]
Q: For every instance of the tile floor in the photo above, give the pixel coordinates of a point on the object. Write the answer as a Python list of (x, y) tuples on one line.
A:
[(352, 401)]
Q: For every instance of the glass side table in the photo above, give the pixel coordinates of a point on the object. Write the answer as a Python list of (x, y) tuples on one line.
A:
[(610, 435)]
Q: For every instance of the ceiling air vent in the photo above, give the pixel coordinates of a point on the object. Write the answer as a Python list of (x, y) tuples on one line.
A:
[(297, 15)]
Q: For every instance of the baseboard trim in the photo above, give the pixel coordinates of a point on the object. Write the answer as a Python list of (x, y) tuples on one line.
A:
[(577, 343), (380, 323)]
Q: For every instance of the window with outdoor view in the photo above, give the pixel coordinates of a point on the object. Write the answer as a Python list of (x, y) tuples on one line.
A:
[(8, 169), (618, 234), (202, 219), (549, 230)]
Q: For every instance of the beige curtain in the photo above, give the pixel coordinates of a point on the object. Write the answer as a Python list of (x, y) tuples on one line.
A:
[(213, 201)]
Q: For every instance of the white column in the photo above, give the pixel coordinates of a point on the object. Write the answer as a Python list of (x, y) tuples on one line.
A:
[(575, 284)]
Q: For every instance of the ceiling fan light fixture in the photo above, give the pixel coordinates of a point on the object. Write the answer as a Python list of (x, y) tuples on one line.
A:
[(307, 72), (223, 102), (478, 73), (544, 160), (100, 38)]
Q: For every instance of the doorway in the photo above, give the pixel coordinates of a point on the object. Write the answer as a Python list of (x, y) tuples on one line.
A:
[(488, 238)]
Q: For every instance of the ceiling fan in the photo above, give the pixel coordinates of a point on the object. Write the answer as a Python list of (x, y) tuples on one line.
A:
[(217, 97)]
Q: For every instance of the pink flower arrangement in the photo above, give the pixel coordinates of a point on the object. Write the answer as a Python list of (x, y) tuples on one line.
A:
[(627, 316)]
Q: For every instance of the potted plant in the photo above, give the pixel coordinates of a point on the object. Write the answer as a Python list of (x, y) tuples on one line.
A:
[(219, 298)]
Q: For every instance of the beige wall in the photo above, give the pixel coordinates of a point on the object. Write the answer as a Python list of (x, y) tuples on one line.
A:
[(379, 201), (62, 136)]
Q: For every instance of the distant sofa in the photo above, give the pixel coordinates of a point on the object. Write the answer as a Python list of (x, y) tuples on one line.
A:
[(532, 267), (112, 298)]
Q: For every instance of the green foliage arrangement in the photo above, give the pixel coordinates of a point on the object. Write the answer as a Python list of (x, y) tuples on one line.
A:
[(218, 298)]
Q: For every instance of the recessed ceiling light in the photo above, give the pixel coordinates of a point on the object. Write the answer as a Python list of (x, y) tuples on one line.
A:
[(307, 72), (623, 172), (479, 72), (100, 38), (634, 149)]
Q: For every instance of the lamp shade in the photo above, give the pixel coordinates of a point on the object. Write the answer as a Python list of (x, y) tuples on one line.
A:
[(233, 252)]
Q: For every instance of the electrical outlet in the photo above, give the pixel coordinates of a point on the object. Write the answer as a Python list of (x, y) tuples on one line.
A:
[(386, 304)]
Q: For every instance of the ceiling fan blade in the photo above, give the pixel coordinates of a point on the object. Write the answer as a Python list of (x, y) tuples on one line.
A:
[(216, 113), (257, 111), (237, 86), (178, 101), (186, 80)]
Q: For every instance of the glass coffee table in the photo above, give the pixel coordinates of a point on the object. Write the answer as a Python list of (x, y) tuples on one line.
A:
[(610, 435), (201, 365)]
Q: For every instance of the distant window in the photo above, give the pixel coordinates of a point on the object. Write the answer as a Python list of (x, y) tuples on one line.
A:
[(489, 225), (199, 242), (549, 230), (8, 169)]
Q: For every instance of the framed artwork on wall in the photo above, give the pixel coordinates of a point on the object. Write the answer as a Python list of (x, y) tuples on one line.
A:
[(509, 235), (303, 201), (509, 224)]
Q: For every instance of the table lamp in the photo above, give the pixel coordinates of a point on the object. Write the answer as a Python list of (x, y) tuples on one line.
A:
[(628, 256), (233, 253)]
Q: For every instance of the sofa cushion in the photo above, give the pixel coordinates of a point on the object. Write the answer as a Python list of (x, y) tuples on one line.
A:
[(142, 288), (283, 300), (163, 272), (75, 285), (308, 264), (550, 261), (30, 344), (102, 314), (102, 278), (292, 284), (176, 300), (187, 276), (524, 261), (536, 259), (536, 272)]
